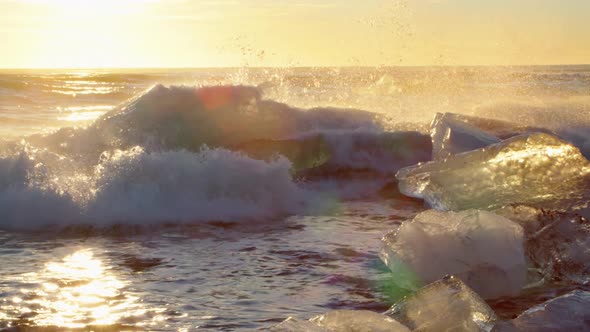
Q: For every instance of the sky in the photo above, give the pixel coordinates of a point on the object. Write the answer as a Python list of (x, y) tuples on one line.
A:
[(229, 33)]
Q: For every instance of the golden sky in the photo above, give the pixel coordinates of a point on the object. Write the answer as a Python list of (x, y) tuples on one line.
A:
[(208, 33)]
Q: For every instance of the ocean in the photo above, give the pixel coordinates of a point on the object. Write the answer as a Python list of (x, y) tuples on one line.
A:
[(231, 199)]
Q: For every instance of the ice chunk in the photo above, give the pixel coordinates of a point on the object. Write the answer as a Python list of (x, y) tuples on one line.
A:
[(481, 248), (498, 128), (358, 321), (297, 325), (452, 134), (535, 169), (343, 321), (557, 243), (445, 305), (570, 312)]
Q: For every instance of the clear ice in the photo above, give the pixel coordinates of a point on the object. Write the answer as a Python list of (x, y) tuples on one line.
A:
[(343, 321), (453, 133), (536, 169), (445, 305), (358, 321), (479, 247), (292, 324), (557, 244), (569, 312)]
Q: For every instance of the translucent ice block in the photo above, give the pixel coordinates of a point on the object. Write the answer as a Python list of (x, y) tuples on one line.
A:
[(481, 248), (536, 169), (569, 312), (452, 134), (445, 305), (343, 321)]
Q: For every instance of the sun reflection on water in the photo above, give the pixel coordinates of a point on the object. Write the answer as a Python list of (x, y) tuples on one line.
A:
[(76, 292)]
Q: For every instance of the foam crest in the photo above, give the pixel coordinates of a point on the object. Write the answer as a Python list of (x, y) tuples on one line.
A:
[(181, 186), (28, 195), (139, 187)]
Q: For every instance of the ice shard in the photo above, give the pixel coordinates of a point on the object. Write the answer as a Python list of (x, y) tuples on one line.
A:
[(445, 305), (536, 169), (453, 133), (343, 321), (292, 324), (358, 321), (481, 248), (557, 244), (569, 312)]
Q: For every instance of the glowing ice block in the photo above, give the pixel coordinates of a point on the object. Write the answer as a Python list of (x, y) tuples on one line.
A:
[(536, 169)]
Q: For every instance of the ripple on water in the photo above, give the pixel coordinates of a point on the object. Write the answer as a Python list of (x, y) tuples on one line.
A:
[(215, 277)]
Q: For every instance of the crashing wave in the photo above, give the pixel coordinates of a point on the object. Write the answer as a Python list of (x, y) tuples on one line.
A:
[(331, 151), (148, 161), (134, 186), (238, 118), (187, 118)]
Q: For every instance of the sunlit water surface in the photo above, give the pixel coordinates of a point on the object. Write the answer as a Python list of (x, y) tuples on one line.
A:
[(213, 277)]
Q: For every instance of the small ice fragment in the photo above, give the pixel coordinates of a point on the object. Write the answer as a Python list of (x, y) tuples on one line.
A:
[(536, 169), (452, 134), (292, 324), (358, 321), (481, 248), (569, 312), (343, 321), (445, 305)]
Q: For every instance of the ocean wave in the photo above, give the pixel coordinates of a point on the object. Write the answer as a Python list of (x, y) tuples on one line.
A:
[(29, 197), (316, 141), (326, 152), (212, 184), (11, 84), (183, 154), (136, 187)]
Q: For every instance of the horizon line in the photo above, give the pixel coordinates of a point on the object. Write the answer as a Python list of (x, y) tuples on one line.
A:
[(295, 67)]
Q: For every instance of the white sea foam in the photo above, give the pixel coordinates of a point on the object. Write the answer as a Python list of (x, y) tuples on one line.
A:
[(134, 186), (215, 184), (29, 197)]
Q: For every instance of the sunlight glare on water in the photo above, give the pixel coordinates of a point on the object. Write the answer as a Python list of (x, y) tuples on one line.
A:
[(77, 291)]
